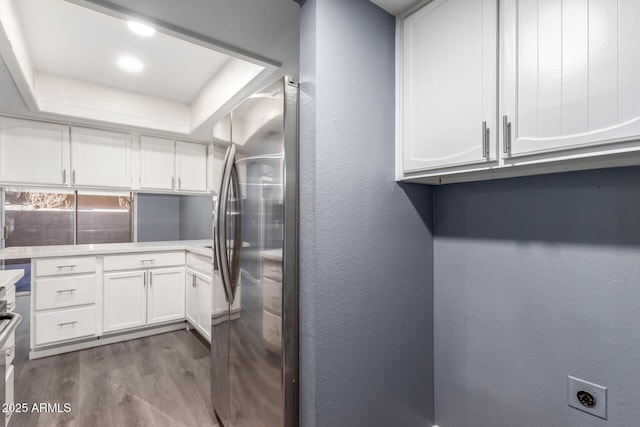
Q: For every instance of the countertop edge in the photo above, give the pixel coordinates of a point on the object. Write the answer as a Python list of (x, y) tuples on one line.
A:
[(34, 252)]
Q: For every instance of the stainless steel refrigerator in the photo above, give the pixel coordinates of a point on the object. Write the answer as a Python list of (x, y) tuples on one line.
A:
[(254, 342)]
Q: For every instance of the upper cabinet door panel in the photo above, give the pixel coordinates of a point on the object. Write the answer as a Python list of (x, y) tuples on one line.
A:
[(157, 163), (191, 166), (571, 73), (33, 152), (100, 158), (448, 84)]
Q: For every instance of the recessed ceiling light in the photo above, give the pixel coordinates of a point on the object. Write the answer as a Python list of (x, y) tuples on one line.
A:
[(130, 64), (140, 28)]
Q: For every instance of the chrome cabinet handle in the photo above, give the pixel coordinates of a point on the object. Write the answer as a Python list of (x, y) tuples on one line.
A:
[(179, 183), (506, 135), (68, 323), (144, 278), (150, 278), (73, 176), (173, 182), (144, 261), (61, 291), (71, 267), (485, 140), (64, 176)]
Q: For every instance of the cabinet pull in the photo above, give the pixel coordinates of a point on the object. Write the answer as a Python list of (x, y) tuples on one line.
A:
[(173, 182), (506, 135), (144, 280), (73, 176), (143, 261), (71, 267), (193, 282), (64, 176), (68, 323), (61, 291), (179, 183), (5, 232), (485, 140), (150, 278)]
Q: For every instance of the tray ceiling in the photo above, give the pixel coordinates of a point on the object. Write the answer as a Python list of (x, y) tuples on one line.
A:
[(63, 57)]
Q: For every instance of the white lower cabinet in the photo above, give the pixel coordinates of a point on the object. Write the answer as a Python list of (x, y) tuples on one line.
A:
[(125, 300), (199, 302), (143, 297), (165, 295)]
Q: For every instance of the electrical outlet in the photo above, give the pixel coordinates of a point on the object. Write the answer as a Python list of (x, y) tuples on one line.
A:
[(588, 397)]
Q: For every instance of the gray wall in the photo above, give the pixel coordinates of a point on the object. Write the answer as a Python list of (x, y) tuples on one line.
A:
[(366, 272), (195, 217), (158, 217), (536, 279)]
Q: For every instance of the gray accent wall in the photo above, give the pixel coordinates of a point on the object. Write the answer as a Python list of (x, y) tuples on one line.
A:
[(535, 279), (366, 249), (196, 217), (158, 217)]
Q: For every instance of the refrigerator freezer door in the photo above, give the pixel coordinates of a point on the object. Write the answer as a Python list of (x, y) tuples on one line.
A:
[(255, 353)]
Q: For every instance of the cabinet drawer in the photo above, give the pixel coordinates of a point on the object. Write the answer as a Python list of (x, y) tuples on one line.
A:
[(145, 260), (10, 348), (58, 292), (62, 266), (64, 325), (272, 269), (272, 296), (272, 331), (200, 264)]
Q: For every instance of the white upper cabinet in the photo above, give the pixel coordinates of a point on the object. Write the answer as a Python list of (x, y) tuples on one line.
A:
[(191, 166), (570, 73), (100, 158), (157, 163), (33, 152), (447, 85)]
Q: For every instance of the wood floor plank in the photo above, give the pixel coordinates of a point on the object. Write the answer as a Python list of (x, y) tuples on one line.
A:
[(156, 381)]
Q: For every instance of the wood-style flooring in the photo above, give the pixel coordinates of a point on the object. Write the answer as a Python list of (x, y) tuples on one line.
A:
[(163, 380)]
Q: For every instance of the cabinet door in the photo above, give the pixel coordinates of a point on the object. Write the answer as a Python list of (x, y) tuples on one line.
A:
[(203, 285), (192, 298), (191, 166), (100, 158), (570, 76), (33, 153), (448, 84), (157, 163), (125, 300), (166, 295)]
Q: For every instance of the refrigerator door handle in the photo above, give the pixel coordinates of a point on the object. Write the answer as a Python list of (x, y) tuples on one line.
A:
[(237, 238), (222, 254)]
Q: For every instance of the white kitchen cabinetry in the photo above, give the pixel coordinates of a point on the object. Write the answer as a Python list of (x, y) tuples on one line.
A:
[(33, 152), (125, 300), (191, 166), (100, 158), (568, 89), (157, 163), (165, 295), (63, 300), (570, 74), (10, 352), (153, 292), (448, 85), (199, 297)]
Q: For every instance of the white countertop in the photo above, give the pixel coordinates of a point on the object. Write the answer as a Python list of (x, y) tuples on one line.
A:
[(195, 246), (9, 278)]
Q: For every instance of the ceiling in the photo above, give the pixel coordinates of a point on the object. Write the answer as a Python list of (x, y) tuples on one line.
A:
[(395, 7), (60, 62), (64, 39)]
